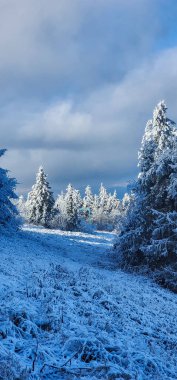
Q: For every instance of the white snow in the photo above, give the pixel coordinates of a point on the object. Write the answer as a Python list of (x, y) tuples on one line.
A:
[(61, 299)]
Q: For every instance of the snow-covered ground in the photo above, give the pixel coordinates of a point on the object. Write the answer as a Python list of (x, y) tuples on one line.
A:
[(66, 314)]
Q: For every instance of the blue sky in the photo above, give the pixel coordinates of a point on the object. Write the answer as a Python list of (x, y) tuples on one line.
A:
[(79, 79)]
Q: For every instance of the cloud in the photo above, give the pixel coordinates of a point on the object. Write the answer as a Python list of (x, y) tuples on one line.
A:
[(59, 126), (52, 48), (97, 138), (80, 79)]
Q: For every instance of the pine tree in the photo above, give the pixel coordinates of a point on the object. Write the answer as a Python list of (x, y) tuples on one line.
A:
[(112, 202), (147, 233), (78, 202), (8, 211), (126, 202), (71, 209), (105, 209), (156, 156), (40, 201), (102, 214), (95, 209), (67, 210), (57, 220), (59, 203), (88, 202), (103, 198), (21, 206)]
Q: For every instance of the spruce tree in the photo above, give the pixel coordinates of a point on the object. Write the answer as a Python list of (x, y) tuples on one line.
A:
[(148, 231), (103, 198), (71, 209), (59, 203), (40, 201), (113, 210), (21, 206), (88, 202), (67, 210), (105, 209)]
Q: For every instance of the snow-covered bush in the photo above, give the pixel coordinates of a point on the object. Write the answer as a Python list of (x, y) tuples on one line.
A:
[(8, 210)]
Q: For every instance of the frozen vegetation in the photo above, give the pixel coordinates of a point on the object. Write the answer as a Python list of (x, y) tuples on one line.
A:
[(66, 313)]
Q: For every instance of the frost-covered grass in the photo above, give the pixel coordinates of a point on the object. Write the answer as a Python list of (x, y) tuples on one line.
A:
[(65, 314)]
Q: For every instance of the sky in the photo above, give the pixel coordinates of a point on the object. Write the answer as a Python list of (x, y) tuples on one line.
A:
[(79, 79)]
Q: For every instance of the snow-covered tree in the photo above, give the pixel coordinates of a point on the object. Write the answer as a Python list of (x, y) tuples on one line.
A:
[(21, 207), (122, 210), (112, 202), (8, 211), (71, 209), (105, 209), (67, 210), (58, 214), (59, 203), (88, 201), (125, 204), (99, 212), (71, 212), (40, 201), (148, 231), (103, 197), (78, 202)]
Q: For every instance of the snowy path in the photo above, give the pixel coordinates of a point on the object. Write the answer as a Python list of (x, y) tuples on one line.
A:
[(56, 304)]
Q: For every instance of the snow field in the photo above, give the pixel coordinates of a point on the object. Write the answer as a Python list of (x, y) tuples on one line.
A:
[(64, 317)]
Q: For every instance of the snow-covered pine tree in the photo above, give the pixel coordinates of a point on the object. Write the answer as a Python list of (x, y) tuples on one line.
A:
[(40, 201), (57, 220), (103, 198), (71, 209), (156, 155), (95, 208), (67, 210), (148, 232), (112, 211), (126, 202), (105, 209), (115, 200), (78, 202), (132, 230), (112, 202), (59, 203), (123, 208), (21, 206), (99, 208), (8, 211), (88, 202)]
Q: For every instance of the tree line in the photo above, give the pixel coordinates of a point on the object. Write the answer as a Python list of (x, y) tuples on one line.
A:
[(69, 211)]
